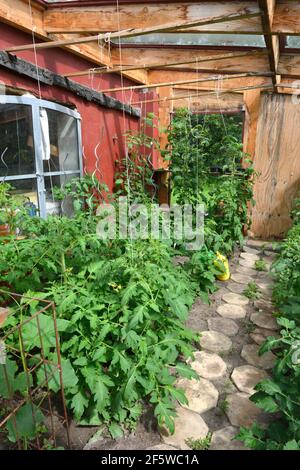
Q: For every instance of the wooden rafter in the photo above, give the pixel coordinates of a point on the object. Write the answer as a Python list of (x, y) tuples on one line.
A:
[(159, 65), (286, 17), (96, 19), (183, 82), (128, 33), (272, 42), (289, 66)]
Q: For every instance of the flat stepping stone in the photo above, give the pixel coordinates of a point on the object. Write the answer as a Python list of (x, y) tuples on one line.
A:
[(253, 251), (231, 311), (236, 299), (224, 325), (215, 341), (247, 263), (245, 270), (266, 285), (246, 377), (259, 335), (249, 256), (264, 320), (241, 411), (236, 288), (241, 278), (202, 395), (264, 305), (250, 354), (223, 439), (271, 255), (209, 365), (187, 425), (266, 288), (257, 244)]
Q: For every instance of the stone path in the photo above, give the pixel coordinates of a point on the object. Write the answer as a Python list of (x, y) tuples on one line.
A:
[(232, 328)]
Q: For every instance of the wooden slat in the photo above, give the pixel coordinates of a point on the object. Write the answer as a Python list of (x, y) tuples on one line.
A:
[(287, 17), (193, 63), (289, 66), (150, 56), (174, 81), (226, 101), (106, 18), (234, 82)]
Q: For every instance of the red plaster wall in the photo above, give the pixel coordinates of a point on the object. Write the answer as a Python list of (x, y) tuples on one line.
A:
[(102, 128)]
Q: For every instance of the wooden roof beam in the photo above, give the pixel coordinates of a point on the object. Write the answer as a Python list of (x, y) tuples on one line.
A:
[(174, 82), (105, 18), (254, 60), (286, 18), (128, 33), (289, 66), (161, 76), (267, 8), (193, 63)]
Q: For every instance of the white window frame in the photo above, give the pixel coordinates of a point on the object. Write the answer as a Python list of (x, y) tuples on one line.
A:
[(36, 105)]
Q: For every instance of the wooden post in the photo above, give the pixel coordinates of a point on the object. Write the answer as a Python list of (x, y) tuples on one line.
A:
[(252, 105), (164, 114)]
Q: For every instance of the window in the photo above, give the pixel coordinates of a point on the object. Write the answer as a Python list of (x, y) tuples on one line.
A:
[(293, 42), (40, 148), (196, 39)]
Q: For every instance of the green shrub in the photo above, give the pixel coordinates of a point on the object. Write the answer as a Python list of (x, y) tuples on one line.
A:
[(280, 394)]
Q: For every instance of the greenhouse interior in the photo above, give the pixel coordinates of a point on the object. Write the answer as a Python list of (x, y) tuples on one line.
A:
[(150, 226)]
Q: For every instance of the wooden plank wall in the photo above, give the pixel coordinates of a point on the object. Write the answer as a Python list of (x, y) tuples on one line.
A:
[(277, 158)]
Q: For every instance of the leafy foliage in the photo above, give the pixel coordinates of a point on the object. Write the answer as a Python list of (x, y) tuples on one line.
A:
[(199, 444), (134, 175), (287, 268), (122, 308), (252, 291), (280, 393), (260, 265), (207, 168), (122, 305), (86, 193)]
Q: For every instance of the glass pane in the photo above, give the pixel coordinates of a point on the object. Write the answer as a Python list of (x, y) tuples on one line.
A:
[(54, 207), (60, 141), (293, 42), (197, 39), (16, 140), (26, 190)]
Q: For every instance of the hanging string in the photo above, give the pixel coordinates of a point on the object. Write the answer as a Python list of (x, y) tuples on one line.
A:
[(33, 29), (124, 117), (219, 85), (198, 143)]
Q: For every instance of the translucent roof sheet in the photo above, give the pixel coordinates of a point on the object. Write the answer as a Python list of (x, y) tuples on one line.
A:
[(293, 42), (198, 39)]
